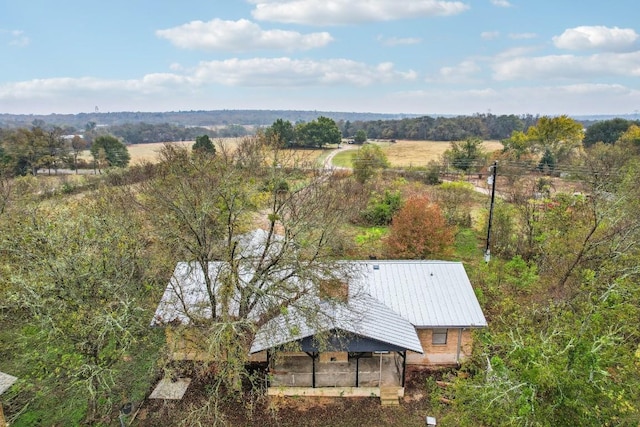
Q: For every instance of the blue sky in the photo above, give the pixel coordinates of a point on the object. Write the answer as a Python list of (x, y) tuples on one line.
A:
[(386, 56)]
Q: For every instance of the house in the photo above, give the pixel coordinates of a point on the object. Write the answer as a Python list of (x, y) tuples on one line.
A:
[(390, 315)]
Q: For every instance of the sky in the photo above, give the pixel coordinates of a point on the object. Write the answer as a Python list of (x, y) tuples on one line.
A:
[(381, 56)]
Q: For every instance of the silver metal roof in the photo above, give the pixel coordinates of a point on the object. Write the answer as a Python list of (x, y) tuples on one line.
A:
[(363, 316), (388, 300), (6, 381), (426, 293)]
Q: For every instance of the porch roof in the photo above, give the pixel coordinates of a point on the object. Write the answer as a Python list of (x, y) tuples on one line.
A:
[(363, 317)]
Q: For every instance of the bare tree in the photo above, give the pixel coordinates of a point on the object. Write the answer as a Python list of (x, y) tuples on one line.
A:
[(203, 209)]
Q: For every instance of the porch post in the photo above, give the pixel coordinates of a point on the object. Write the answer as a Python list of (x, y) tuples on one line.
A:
[(459, 345), (404, 366), (313, 372), (268, 367), (313, 355), (358, 370)]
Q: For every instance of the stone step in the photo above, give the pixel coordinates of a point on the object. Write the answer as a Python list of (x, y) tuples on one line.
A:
[(389, 396)]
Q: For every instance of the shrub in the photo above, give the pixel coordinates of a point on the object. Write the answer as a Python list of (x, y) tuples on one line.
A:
[(419, 231)]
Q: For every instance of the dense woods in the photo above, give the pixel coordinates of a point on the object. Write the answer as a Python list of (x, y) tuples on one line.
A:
[(83, 264)]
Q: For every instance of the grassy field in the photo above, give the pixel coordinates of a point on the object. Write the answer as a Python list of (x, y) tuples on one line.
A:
[(403, 153), (149, 152), (419, 153), (411, 153)]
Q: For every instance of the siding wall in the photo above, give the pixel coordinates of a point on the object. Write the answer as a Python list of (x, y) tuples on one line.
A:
[(184, 346), (441, 354)]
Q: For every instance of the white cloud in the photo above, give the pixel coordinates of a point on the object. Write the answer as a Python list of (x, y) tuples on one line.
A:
[(570, 99), (514, 52), (17, 38), (464, 72), (396, 41), (239, 36), (287, 72), (501, 3), (597, 37), (251, 73), (340, 12), (569, 66), (490, 35), (522, 36), (45, 88)]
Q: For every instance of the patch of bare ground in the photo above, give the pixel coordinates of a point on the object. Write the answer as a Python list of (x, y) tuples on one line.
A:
[(257, 409)]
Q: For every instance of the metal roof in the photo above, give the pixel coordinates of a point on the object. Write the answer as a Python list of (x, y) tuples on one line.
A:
[(186, 295), (6, 381), (426, 293), (362, 316), (387, 301)]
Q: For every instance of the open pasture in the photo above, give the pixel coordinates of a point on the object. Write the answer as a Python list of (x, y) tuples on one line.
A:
[(405, 153), (149, 152)]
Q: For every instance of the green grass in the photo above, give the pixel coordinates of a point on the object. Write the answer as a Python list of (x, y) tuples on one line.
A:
[(467, 245), (343, 159)]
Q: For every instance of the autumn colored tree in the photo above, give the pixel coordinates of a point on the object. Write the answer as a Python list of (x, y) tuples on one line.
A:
[(631, 137), (556, 137), (419, 231)]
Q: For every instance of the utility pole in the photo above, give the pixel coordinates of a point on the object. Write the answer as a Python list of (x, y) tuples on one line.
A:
[(491, 180)]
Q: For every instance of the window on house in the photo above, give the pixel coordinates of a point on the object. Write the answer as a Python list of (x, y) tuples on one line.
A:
[(439, 337)]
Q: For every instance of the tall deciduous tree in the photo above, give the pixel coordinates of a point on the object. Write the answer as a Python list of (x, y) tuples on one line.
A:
[(606, 131), (281, 133), (75, 269), (318, 133), (203, 206), (26, 149), (78, 145), (419, 231), (360, 136), (560, 137), (113, 150), (467, 155)]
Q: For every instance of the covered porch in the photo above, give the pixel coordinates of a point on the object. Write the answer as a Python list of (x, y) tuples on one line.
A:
[(352, 366), (366, 369)]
